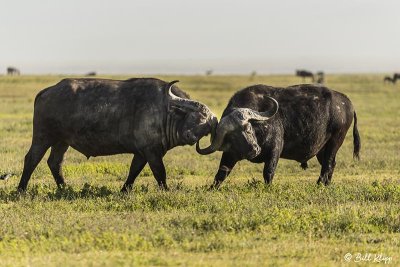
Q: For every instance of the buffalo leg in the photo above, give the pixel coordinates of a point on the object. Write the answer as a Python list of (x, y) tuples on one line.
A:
[(330, 174), (270, 166), (327, 168), (157, 167), (137, 165), (304, 165), (55, 162), (32, 159), (327, 159), (225, 167), (321, 160)]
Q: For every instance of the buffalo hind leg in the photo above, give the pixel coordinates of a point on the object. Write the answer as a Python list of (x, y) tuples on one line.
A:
[(327, 168), (55, 161), (137, 165), (327, 159), (157, 167), (32, 159), (304, 165), (225, 167)]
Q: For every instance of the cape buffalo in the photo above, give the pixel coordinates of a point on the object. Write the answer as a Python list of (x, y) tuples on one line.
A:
[(309, 120), (396, 77), (91, 74), (13, 71), (320, 77), (304, 74), (388, 79), (98, 117)]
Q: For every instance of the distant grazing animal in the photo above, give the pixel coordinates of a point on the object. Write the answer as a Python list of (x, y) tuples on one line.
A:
[(98, 117), (309, 120), (92, 73), (388, 79), (209, 72), (13, 71), (320, 77), (396, 77), (304, 74), (253, 74)]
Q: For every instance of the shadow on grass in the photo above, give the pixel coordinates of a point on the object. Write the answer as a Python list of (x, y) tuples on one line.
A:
[(375, 191), (58, 193), (88, 191)]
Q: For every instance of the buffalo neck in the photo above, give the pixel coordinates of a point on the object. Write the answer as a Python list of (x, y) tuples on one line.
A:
[(172, 130)]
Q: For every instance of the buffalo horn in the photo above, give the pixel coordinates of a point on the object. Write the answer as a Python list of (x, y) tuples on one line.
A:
[(265, 115), (182, 102), (217, 140)]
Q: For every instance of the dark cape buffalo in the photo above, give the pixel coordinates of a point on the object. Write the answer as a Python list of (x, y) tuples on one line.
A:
[(304, 74), (396, 77), (309, 120), (97, 117), (13, 71)]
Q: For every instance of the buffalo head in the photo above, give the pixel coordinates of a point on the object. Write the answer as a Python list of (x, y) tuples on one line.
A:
[(196, 120), (236, 133)]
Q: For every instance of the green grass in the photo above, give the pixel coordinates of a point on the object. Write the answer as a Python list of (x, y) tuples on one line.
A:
[(293, 222)]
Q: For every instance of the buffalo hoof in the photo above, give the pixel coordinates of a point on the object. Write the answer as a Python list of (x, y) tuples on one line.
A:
[(163, 187), (61, 186), (126, 189), (21, 190), (323, 181), (304, 165), (214, 186)]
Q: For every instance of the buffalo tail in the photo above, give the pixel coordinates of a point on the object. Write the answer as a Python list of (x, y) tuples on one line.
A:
[(356, 139)]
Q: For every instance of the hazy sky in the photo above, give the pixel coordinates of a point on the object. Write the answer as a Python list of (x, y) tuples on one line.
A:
[(177, 36)]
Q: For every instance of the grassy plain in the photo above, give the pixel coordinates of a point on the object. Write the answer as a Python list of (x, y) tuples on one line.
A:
[(294, 222)]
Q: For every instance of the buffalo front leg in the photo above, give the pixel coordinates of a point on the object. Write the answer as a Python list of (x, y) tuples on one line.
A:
[(157, 167), (269, 169), (55, 161), (32, 159), (137, 165), (225, 167)]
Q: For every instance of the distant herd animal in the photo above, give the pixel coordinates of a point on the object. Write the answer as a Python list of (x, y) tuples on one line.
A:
[(91, 74), (308, 74), (305, 74), (393, 80), (320, 77), (13, 71), (147, 117)]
